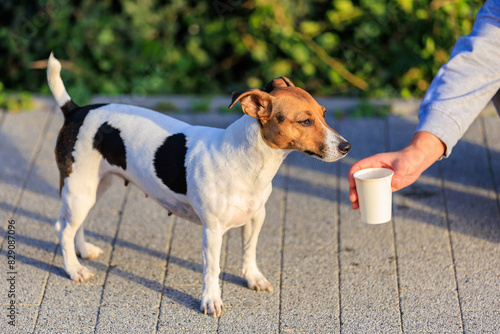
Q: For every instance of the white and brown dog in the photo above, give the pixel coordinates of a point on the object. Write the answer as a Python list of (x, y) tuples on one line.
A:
[(217, 178)]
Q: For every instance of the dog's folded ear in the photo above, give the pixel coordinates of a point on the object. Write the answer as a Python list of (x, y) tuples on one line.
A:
[(281, 82), (254, 102)]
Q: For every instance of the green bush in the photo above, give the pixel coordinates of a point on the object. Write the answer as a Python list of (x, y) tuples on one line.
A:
[(368, 48)]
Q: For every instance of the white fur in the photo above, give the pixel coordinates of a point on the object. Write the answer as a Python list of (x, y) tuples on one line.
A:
[(55, 82), (332, 142)]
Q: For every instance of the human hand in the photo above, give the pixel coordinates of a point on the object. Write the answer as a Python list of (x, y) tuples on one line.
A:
[(407, 164)]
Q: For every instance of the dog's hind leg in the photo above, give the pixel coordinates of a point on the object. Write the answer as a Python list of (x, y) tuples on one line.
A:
[(78, 199), (250, 234), (85, 249)]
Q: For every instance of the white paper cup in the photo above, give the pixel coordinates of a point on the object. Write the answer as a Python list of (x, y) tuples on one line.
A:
[(374, 194)]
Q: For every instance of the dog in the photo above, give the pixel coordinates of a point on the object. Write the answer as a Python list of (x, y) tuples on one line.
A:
[(220, 179)]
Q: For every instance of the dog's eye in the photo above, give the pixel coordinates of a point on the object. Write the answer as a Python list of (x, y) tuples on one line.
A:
[(305, 122)]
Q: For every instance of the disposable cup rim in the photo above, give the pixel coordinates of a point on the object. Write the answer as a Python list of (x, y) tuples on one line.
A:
[(373, 179)]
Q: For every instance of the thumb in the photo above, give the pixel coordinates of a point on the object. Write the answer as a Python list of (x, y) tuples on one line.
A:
[(397, 181)]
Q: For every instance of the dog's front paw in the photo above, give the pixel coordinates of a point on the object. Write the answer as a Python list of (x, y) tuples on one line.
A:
[(80, 274), (90, 251), (211, 305), (257, 281)]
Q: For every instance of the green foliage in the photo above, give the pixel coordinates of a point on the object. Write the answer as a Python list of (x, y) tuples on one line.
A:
[(236, 109), (166, 106), (15, 101), (367, 109), (368, 48), (201, 105)]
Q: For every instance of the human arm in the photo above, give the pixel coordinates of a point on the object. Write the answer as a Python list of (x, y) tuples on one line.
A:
[(466, 83)]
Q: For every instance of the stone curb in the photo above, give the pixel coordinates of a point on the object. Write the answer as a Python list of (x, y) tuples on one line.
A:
[(218, 104)]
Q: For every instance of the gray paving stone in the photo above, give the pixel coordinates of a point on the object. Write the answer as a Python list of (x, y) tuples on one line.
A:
[(145, 242), (35, 237), (134, 285), (414, 234), (473, 253), (19, 137), (370, 321), (491, 126), (369, 247), (302, 320), (185, 263), (430, 310), (310, 268), (309, 308), (307, 237), (426, 270), (30, 282), (184, 273), (80, 309), (369, 289), (52, 330), (236, 294), (311, 211), (180, 310), (471, 199), (309, 331), (253, 320), (481, 321), (479, 290), (24, 321), (127, 320)]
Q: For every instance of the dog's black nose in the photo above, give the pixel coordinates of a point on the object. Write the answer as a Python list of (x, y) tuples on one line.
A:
[(344, 147)]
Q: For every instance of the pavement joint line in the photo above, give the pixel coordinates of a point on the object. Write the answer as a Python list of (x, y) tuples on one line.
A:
[(110, 261), (490, 165), (44, 288), (284, 199), (337, 227), (450, 244), (165, 273), (387, 143), (27, 173)]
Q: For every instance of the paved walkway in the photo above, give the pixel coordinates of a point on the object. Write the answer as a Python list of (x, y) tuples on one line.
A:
[(435, 268)]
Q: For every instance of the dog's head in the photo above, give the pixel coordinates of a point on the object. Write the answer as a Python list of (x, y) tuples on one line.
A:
[(290, 118)]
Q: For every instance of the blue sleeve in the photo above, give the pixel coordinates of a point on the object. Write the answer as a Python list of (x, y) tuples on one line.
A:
[(467, 82)]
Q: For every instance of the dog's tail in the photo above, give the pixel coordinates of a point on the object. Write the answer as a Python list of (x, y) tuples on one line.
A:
[(57, 86)]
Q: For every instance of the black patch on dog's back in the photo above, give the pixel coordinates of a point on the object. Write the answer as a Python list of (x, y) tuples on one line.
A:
[(69, 107), (67, 138), (169, 163), (109, 143)]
